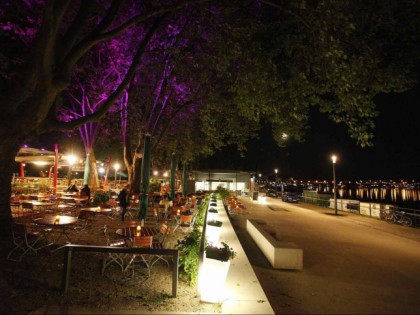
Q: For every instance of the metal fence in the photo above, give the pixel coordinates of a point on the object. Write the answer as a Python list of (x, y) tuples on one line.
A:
[(370, 209), (70, 248)]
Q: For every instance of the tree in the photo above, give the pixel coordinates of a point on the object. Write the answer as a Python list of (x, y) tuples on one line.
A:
[(44, 43)]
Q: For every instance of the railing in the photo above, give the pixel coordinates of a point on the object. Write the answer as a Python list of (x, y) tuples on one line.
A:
[(70, 248), (355, 208)]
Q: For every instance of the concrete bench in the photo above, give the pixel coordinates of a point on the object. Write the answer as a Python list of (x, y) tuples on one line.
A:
[(282, 255)]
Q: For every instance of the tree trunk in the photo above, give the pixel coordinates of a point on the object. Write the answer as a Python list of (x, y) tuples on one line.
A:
[(93, 174), (145, 172), (136, 171), (9, 149)]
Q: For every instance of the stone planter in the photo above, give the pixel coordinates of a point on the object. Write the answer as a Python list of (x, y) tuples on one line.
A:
[(212, 280), (212, 233)]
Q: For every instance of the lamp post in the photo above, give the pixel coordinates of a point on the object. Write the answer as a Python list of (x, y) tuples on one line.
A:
[(116, 167), (71, 159), (276, 171), (334, 160)]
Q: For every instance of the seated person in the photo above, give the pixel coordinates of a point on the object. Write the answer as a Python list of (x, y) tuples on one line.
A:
[(72, 188), (85, 191)]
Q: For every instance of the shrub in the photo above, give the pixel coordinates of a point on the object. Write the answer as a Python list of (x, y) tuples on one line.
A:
[(189, 249), (100, 197)]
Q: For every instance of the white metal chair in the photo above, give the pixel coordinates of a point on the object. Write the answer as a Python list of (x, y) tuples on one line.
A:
[(24, 241), (118, 259)]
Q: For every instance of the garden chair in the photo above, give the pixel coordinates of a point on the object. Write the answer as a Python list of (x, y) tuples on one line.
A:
[(141, 242), (114, 257), (85, 219), (24, 241), (159, 242)]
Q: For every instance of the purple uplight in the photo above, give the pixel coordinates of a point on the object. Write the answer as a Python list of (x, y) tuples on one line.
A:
[(25, 145)]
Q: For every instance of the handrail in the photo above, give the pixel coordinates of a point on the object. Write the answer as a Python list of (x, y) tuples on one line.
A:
[(70, 248)]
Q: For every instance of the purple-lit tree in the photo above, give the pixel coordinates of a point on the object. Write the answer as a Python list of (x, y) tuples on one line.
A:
[(233, 65), (43, 43)]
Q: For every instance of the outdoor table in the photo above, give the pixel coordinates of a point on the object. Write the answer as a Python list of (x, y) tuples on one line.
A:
[(39, 204), (62, 224), (72, 199), (129, 232), (98, 209)]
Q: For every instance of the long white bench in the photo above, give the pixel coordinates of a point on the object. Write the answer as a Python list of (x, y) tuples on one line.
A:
[(282, 255)]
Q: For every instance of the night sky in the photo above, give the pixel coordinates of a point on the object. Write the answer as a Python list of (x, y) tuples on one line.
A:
[(395, 154)]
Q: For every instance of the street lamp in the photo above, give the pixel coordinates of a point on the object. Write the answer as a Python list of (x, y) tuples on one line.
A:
[(71, 159), (116, 167), (334, 160), (276, 171)]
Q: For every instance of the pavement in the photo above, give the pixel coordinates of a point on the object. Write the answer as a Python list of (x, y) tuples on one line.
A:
[(352, 264)]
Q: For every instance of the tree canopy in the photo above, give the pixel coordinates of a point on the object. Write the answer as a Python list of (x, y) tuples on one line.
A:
[(199, 75)]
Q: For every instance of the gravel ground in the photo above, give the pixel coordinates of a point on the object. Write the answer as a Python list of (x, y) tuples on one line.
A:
[(35, 282)]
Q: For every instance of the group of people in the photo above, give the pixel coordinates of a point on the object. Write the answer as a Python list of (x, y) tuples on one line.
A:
[(123, 196), (85, 191)]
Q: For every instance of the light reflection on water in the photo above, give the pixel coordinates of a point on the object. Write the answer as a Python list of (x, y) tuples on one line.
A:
[(381, 194)]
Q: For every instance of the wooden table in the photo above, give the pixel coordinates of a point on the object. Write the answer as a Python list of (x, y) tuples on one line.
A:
[(37, 204), (63, 224), (98, 209), (129, 232)]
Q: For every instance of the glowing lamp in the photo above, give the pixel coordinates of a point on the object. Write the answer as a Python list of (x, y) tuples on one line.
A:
[(138, 230), (57, 219), (212, 280)]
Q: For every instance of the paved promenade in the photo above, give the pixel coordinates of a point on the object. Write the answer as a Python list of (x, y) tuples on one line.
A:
[(351, 264)]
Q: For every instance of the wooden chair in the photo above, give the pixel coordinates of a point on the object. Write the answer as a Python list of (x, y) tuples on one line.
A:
[(141, 242), (159, 242)]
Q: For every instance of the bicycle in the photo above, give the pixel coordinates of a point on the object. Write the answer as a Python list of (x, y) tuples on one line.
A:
[(399, 217)]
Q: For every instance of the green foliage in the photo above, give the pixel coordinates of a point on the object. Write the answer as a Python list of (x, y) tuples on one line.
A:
[(222, 192), (100, 197), (201, 213), (189, 249), (223, 253), (215, 223)]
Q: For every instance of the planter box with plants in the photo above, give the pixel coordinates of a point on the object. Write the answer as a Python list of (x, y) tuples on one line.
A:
[(215, 268)]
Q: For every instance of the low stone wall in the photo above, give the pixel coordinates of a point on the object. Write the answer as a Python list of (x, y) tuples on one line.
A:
[(282, 255)]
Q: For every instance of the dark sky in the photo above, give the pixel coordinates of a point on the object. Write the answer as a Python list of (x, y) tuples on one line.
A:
[(395, 154)]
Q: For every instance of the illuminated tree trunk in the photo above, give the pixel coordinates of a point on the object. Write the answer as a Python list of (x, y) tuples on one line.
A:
[(145, 172), (173, 170), (93, 179)]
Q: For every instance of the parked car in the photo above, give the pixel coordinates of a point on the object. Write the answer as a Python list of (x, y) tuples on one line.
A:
[(290, 197), (272, 193)]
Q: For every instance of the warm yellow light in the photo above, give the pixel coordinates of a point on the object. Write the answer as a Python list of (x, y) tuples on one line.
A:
[(116, 166), (165, 174), (57, 219), (334, 159), (40, 163), (276, 170), (155, 173), (212, 234), (212, 280), (71, 159), (138, 230)]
